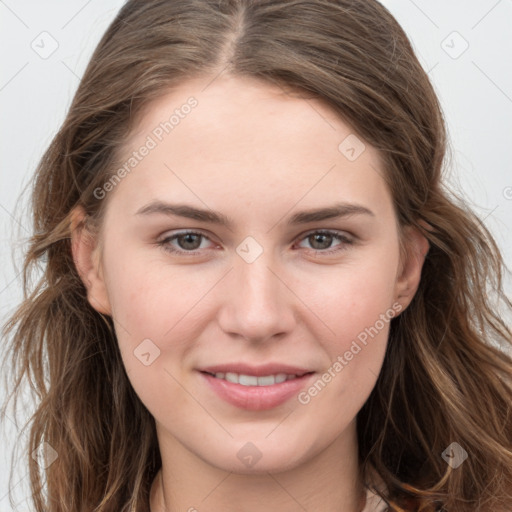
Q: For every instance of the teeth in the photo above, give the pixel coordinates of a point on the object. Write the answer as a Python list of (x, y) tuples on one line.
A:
[(232, 377), (252, 380), (248, 380), (268, 380)]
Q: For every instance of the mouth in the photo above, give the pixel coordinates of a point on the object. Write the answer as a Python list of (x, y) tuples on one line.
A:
[(255, 380), (256, 392)]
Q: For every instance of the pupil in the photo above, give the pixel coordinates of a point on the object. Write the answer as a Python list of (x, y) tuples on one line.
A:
[(327, 237), (187, 237)]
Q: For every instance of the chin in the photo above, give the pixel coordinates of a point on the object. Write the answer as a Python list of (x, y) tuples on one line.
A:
[(257, 457)]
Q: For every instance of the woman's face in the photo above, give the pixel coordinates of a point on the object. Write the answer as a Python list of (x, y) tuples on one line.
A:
[(292, 267)]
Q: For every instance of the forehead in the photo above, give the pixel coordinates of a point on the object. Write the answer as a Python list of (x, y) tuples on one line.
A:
[(242, 112), (239, 135)]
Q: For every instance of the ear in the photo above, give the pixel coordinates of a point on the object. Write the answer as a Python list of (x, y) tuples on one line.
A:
[(85, 249), (413, 256)]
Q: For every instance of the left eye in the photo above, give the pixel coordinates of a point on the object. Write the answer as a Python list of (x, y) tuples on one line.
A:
[(189, 241), (325, 238)]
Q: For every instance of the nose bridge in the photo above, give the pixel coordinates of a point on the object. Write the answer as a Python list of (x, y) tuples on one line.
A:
[(258, 305), (256, 283)]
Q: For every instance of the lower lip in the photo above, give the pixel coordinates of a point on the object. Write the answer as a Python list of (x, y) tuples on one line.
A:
[(256, 398)]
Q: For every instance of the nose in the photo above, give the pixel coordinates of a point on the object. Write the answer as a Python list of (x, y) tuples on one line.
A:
[(258, 304)]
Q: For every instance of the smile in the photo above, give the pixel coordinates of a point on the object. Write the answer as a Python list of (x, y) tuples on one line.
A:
[(253, 380), (255, 393)]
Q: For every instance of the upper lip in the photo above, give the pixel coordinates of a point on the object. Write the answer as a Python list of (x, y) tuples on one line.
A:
[(258, 371)]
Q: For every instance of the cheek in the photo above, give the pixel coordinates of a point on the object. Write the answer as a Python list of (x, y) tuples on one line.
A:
[(357, 305), (150, 298), (154, 323), (354, 296), (159, 314)]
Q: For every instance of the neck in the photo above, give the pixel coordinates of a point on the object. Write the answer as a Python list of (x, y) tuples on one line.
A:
[(329, 481)]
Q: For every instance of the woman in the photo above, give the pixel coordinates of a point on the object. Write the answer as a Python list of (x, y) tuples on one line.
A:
[(258, 294)]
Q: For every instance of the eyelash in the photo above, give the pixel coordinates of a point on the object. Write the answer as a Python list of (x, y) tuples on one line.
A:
[(165, 243)]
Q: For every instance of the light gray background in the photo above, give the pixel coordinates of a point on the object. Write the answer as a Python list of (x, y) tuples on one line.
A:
[(473, 83)]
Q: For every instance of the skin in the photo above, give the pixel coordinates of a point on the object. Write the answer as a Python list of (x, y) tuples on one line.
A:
[(258, 156)]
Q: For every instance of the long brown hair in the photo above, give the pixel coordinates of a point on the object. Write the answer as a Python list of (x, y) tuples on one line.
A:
[(447, 374)]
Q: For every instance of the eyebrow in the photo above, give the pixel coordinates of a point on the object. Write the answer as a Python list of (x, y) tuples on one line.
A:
[(337, 210)]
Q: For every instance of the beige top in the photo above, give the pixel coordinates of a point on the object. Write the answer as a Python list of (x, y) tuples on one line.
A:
[(374, 503)]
